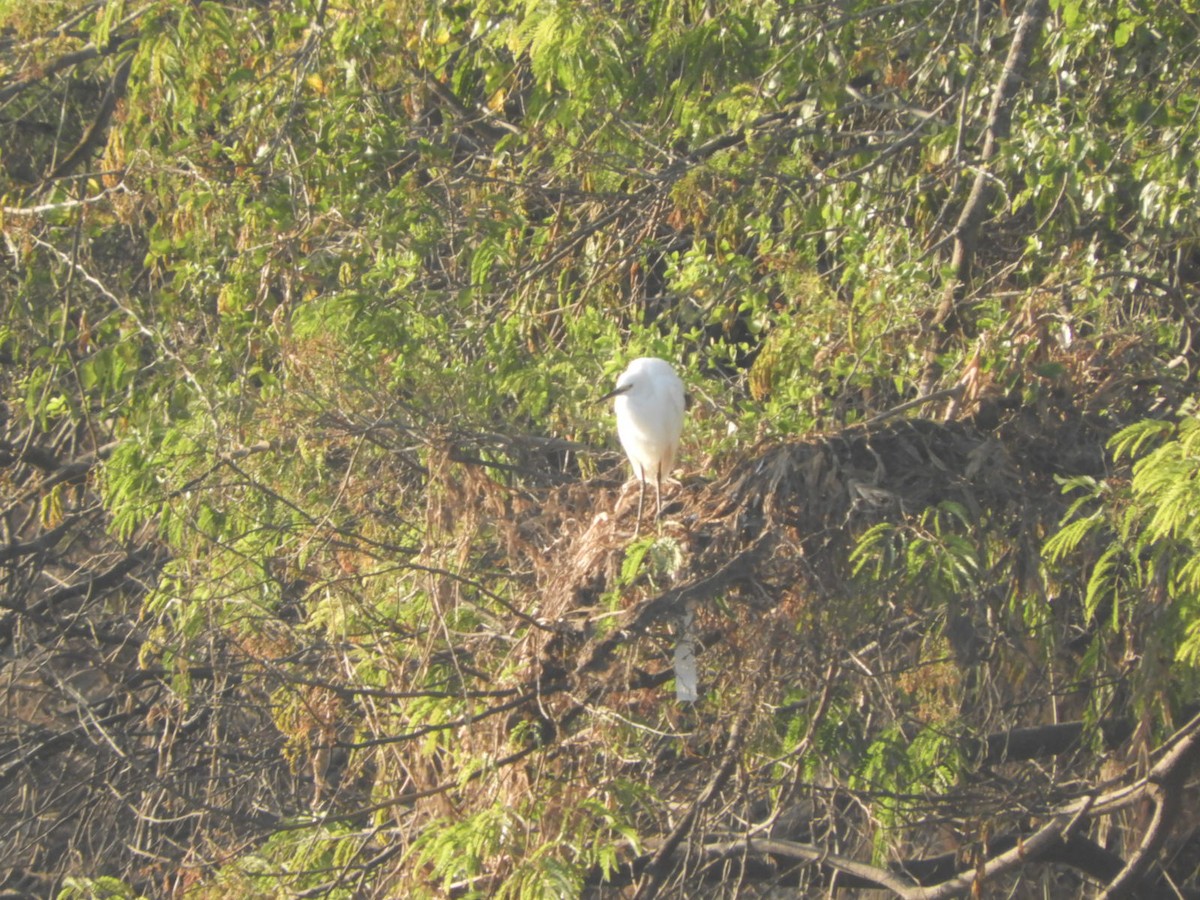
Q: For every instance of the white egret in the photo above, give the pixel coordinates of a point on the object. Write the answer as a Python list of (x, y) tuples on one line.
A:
[(649, 406)]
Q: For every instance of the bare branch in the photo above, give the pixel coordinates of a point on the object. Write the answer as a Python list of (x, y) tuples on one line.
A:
[(1165, 781), (656, 868)]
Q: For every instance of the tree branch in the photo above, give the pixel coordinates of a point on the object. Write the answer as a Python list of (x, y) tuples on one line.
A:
[(92, 137), (637, 619), (656, 869), (88, 52), (966, 229), (1167, 779), (999, 123)]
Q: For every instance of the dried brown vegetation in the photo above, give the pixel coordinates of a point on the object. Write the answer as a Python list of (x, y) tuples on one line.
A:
[(316, 581)]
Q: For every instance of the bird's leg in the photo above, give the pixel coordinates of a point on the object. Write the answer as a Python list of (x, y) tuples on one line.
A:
[(637, 525), (658, 494)]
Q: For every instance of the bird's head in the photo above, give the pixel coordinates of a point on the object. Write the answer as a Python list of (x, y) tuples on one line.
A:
[(640, 376), (624, 386)]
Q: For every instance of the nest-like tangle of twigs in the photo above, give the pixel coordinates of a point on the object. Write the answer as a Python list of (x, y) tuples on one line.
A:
[(764, 562), (784, 516)]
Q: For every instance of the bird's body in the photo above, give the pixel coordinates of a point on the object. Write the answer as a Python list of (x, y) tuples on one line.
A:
[(649, 406)]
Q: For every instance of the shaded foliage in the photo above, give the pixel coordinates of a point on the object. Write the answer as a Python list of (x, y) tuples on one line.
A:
[(318, 579)]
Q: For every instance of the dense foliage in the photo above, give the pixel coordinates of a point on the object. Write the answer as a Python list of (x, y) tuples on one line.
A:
[(317, 569)]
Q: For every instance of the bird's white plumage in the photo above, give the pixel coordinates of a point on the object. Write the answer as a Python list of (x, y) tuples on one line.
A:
[(649, 409), (649, 406)]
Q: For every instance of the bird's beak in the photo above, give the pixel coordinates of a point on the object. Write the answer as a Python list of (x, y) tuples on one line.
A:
[(615, 392)]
